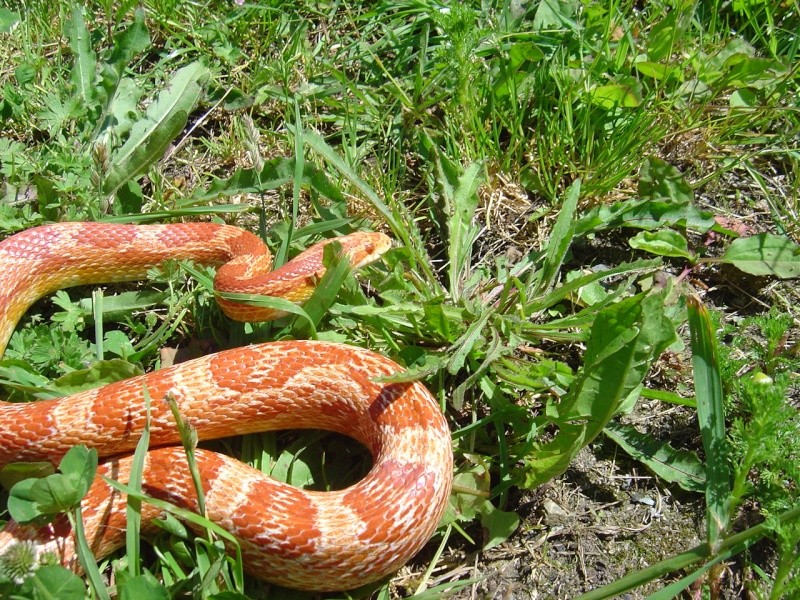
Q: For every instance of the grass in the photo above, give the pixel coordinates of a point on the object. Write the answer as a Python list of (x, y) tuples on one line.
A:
[(629, 159)]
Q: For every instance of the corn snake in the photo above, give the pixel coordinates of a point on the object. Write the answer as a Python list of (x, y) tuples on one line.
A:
[(300, 539)]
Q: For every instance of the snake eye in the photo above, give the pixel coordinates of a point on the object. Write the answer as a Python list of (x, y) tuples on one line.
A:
[(369, 248)]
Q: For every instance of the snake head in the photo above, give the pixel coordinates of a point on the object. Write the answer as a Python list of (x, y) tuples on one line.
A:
[(364, 247)]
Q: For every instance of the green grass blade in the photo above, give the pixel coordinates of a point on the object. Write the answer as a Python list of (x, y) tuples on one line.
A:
[(316, 142), (282, 255), (133, 506), (192, 518), (711, 417), (278, 304), (337, 268), (85, 555)]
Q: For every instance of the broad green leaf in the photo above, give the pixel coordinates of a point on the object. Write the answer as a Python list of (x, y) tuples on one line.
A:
[(498, 525), (656, 71), (123, 110), (743, 98), (54, 582), (79, 464), (85, 69), (711, 418), (676, 466), (33, 499), (8, 20), (644, 214), (133, 40), (118, 307), (22, 505), (165, 119), (55, 493), (100, 373), (560, 239), (625, 340), (659, 180), (661, 38), (13, 473), (764, 254), (143, 586), (613, 95), (442, 321), (553, 14), (662, 242), (756, 73)]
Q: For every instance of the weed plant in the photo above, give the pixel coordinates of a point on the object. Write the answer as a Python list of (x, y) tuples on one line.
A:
[(557, 177)]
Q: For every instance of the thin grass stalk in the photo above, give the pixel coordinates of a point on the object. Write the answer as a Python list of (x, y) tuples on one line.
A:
[(85, 555), (133, 507)]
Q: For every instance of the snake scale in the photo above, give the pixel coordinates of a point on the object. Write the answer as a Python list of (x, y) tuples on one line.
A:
[(297, 538)]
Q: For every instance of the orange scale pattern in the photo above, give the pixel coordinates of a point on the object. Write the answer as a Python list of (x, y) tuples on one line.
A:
[(301, 539)]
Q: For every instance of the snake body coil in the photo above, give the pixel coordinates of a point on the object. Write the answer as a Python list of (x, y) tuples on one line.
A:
[(301, 539)]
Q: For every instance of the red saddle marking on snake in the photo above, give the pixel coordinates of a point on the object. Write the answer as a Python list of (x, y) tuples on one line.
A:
[(301, 539)]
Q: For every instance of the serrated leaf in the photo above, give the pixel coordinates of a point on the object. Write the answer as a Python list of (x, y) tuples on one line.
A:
[(133, 40), (85, 69), (764, 254), (430, 365), (644, 214), (624, 341), (462, 230), (663, 242), (165, 119), (676, 466)]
